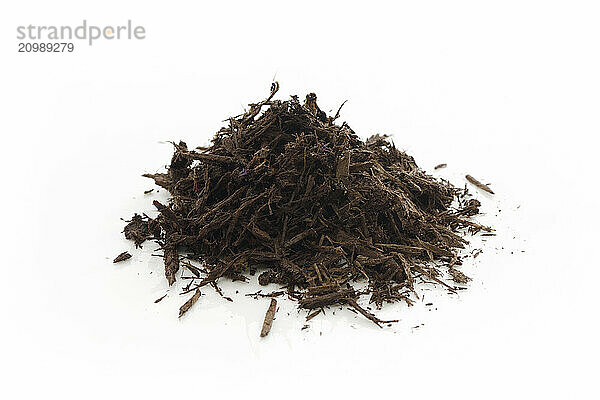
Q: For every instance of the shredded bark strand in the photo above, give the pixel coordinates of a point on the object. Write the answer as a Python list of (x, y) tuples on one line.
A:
[(480, 185), (266, 328)]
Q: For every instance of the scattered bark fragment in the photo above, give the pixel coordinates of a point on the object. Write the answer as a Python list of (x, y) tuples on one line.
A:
[(188, 304), (192, 268), (458, 276), (160, 298), (148, 191), (220, 292), (480, 185), (367, 314), (268, 322), (122, 257), (439, 166), (171, 264), (139, 229), (272, 294), (312, 315)]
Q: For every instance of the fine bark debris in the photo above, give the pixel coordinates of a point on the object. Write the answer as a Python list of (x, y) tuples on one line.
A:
[(272, 294), (458, 276), (122, 257), (480, 185), (285, 192), (439, 166), (266, 328), (160, 298)]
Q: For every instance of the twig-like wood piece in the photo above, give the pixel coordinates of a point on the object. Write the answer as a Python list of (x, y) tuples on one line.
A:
[(312, 315), (367, 314), (160, 298), (266, 328), (272, 294), (188, 304), (210, 157), (337, 114), (480, 185)]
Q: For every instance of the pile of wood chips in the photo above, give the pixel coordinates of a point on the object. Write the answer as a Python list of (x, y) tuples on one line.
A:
[(287, 193)]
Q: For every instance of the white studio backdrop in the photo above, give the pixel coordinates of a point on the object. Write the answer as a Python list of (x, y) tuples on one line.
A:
[(505, 91)]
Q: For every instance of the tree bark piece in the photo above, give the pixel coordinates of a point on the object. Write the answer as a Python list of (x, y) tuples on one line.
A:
[(122, 257), (266, 328), (171, 264), (188, 304), (480, 185)]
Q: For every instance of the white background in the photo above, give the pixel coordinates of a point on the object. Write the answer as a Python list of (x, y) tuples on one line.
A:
[(506, 91)]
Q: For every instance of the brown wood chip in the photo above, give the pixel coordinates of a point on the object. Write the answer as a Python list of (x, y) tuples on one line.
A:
[(188, 304), (122, 257), (171, 264), (480, 185), (266, 328)]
